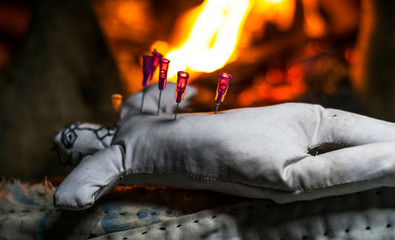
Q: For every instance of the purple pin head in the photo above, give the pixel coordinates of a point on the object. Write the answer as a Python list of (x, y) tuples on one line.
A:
[(163, 67), (156, 59), (182, 81), (222, 87), (147, 69)]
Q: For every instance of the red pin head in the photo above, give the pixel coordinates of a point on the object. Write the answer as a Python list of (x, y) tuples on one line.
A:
[(182, 81), (147, 69), (222, 87), (163, 67)]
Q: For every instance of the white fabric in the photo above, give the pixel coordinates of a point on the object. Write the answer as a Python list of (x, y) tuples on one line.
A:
[(252, 152), (81, 139)]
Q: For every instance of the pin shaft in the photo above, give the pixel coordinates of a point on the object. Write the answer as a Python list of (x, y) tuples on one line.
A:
[(175, 116), (142, 101), (160, 95), (216, 109)]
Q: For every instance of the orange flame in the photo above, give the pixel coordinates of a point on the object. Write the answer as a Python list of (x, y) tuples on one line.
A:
[(206, 38), (314, 23), (213, 38)]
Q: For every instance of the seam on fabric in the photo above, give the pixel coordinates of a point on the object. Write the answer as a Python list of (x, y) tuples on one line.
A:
[(259, 187), (341, 183)]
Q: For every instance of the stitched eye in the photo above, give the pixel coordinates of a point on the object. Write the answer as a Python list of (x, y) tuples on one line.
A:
[(68, 138)]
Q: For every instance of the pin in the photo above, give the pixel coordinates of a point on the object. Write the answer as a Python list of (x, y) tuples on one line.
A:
[(147, 75), (163, 67), (116, 100), (222, 88), (156, 60), (182, 80)]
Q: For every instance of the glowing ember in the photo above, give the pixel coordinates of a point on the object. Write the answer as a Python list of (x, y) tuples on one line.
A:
[(276, 85)]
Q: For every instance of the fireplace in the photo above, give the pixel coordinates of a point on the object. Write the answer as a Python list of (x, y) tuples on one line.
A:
[(67, 59), (276, 50)]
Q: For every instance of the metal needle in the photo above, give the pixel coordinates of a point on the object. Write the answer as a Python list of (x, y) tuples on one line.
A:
[(142, 101), (160, 95), (175, 116)]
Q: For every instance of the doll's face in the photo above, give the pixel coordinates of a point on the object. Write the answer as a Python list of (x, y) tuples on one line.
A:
[(81, 139)]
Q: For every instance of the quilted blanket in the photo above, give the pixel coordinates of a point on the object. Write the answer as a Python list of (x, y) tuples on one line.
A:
[(146, 212)]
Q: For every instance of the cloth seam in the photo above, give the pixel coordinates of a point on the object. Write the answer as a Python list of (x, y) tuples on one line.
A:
[(259, 187)]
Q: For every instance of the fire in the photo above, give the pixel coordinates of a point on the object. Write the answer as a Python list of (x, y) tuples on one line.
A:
[(279, 12), (314, 23), (213, 38), (217, 27), (208, 37)]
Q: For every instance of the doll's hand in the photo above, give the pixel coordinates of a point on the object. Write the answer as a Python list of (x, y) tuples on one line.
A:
[(286, 153)]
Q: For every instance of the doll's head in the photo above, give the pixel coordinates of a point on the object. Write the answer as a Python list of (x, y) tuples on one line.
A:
[(81, 139)]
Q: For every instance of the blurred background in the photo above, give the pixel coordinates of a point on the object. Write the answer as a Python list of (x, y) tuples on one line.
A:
[(60, 61)]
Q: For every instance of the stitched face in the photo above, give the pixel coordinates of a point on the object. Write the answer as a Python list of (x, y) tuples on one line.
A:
[(81, 139)]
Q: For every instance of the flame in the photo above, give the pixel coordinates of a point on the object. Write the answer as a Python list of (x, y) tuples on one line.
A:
[(217, 27), (206, 37), (279, 12), (213, 38), (314, 25)]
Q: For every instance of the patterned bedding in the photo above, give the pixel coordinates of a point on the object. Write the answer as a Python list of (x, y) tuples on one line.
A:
[(146, 212)]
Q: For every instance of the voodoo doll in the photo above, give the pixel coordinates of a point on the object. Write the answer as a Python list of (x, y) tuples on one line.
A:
[(286, 152)]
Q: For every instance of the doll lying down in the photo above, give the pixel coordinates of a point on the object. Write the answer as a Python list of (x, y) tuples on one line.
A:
[(286, 152)]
